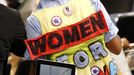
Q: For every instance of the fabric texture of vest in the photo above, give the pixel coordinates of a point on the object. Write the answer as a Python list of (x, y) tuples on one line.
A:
[(73, 33)]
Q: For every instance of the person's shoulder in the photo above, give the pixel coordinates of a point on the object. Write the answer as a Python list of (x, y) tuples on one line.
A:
[(7, 10), (14, 11), (2, 6)]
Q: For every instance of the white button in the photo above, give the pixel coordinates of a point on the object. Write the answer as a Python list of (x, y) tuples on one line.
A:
[(67, 11), (56, 21)]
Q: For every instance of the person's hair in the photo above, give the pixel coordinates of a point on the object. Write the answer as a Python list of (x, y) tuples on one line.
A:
[(13, 3)]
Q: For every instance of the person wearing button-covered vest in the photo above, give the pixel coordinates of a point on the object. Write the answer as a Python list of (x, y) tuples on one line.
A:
[(74, 33)]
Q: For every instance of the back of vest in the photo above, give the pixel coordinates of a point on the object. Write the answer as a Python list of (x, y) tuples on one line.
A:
[(73, 33)]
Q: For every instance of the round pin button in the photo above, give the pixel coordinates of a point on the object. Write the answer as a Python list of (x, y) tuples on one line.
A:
[(95, 70), (67, 11), (56, 20)]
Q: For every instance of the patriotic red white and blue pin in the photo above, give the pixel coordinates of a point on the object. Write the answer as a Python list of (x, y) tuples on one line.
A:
[(56, 20), (67, 11)]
